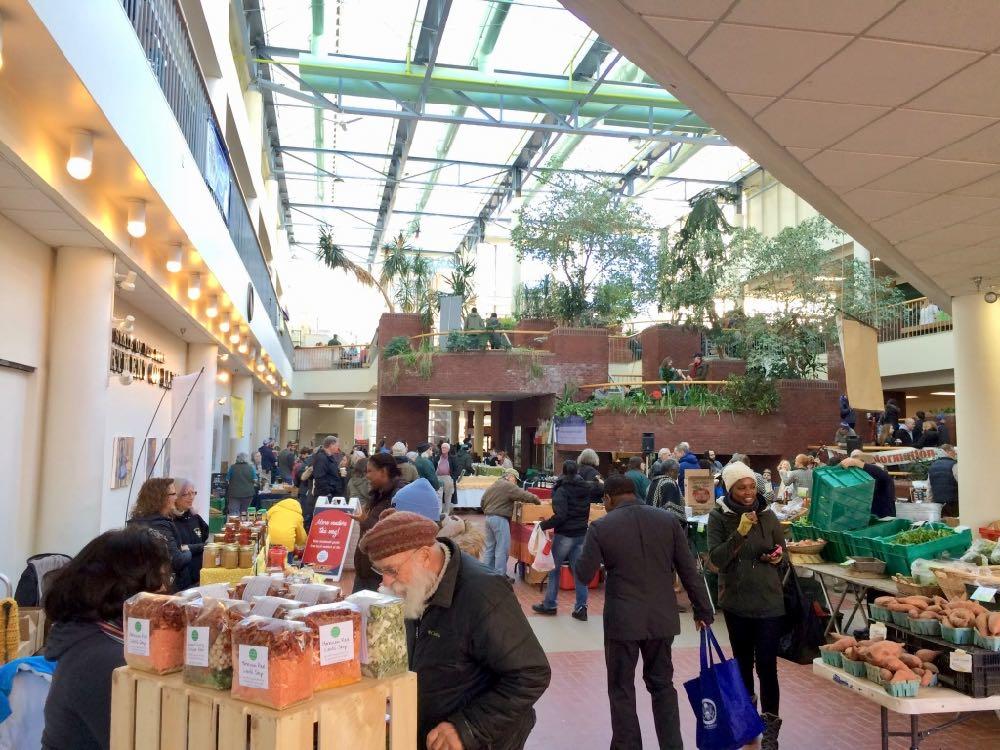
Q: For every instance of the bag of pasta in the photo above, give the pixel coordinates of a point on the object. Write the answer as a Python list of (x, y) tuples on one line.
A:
[(208, 644), (154, 632), (336, 651), (272, 662)]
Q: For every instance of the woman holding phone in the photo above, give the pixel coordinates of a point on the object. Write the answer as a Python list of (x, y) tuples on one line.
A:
[(746, 543)]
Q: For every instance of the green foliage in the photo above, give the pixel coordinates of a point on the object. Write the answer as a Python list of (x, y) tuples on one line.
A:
[(751, 393), (334, 257), (410, 275), (458, 341), (461, 277), (567, 406), (396, 346)]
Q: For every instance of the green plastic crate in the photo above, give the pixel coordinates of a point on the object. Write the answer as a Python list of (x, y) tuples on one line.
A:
[(802, 531), (899, 557), (859, 541), (836, 548), (841, 498)]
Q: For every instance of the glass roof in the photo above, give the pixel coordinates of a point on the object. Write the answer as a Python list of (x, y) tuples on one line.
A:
[(453, 167)]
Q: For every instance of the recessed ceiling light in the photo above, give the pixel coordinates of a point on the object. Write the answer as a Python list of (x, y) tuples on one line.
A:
[(475, 401), (942, 393), (913, 396), (331, 406), (442, 406)]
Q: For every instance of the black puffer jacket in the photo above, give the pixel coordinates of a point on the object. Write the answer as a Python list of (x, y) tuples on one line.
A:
[(479, 665), (179, 559), (379, 500), (571, 507), (192, 531)]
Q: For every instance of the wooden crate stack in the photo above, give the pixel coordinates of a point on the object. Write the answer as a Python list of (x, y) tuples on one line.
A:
[(154, 712)]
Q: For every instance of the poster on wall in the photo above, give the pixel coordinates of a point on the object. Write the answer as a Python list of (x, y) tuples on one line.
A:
[(122, 452), (150, 457), (571, 430), (238, 407)]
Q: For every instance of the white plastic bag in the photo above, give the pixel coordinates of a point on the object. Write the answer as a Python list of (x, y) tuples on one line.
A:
[(540, 546)]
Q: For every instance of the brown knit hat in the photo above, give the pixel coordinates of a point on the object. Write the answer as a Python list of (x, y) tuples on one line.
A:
[(397, 531)]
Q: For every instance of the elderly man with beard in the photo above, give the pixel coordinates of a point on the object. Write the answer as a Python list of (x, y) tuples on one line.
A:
[(480, 668)]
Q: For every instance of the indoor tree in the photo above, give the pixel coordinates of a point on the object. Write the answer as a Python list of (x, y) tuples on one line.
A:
[(334, 256)]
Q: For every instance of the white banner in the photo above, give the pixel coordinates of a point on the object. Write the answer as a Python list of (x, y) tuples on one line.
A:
[(899, 455), (189, 458)]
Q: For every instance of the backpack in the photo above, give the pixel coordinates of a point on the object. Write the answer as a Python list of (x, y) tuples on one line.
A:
[(31, 585)]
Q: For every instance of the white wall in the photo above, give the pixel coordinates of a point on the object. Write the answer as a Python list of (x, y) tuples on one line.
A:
[(327, 422), (24, 309), (930, 353), (131, 409)]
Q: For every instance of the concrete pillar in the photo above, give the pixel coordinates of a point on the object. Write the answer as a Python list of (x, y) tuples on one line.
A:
[(76, 399), (478, 426), (262, 418), (282, 423), (455, 435), (204, 399), (977, 405), (243, 388)]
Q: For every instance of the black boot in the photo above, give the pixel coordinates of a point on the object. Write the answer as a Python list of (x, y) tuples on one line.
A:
[(772, 725)]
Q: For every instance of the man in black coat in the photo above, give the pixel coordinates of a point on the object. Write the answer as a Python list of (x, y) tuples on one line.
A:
[(480, 669), (641, 548), (326, 479)]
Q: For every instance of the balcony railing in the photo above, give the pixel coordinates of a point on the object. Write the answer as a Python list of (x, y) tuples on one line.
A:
[(346, 357), (916, 317), (163, 34), (624, 349)]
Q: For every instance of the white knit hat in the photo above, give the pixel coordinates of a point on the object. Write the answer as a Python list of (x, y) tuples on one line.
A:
[(736, 471)]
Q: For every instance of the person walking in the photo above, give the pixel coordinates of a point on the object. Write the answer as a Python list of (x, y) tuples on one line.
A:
[(241, 479), (449, 470), (571, 514), (641, 548), (685, 460), (498, 507), (192, 530), (286, 462), (943, 479), (425, 468), (358, 485), (636, 472), (385, 481), (268, 460), (154, 509), (747, 544)]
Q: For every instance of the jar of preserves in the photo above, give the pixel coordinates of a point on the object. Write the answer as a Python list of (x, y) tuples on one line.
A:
[(212, 555), (243, 537), (231, 556), (229, 535), (276, 556), (246, 555)]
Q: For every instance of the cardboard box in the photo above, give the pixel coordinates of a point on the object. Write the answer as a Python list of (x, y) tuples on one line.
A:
[(699, 490), (31, 621), (531, 513)]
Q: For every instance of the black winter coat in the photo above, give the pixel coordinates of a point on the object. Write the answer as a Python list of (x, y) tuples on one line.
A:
[(327, 481), (192, 531), (479, 665), (570, 506), (364, 577), (166, 529)]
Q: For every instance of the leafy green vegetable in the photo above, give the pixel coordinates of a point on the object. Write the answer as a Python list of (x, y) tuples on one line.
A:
[(921, 536)]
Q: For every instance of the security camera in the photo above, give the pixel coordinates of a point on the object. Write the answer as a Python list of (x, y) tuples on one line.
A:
[(991, 296)]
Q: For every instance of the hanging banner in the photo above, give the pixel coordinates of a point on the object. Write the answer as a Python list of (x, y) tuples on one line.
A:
[(239, 408), (186, 453), (326, 545), (571, 431), (859, 350), (896, 456)]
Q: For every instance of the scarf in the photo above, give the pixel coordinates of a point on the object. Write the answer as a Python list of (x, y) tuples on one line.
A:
[(759, 505)]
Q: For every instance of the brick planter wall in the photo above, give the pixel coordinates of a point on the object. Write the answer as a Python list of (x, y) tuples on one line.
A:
[(402, 418), (659, 342), (527, 340), (391, 325)]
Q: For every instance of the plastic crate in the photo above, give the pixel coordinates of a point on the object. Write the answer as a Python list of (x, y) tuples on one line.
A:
[(802, 531), (899, 557), (836, 549), (859, 541), (841, 498), (982, 682)]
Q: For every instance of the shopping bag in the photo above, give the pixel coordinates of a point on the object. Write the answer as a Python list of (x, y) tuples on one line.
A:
[(804, 623), (540, 546), (727, 720)]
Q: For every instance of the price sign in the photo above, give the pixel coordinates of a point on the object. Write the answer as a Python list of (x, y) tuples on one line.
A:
[(984, 594), (326, 546), (877, 631), (960, 661)]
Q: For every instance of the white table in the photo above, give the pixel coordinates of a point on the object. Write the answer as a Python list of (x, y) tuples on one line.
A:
[(468, 498), (855, 586), (937, 700)]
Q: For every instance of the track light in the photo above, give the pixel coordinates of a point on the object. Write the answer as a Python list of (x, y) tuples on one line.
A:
[(194, 287), (176, 259), (223, 376), (212, 310), (243, 348), (137, 218), (81, 155), (223, 356), (125, 281), (234, 337), (224, 324)]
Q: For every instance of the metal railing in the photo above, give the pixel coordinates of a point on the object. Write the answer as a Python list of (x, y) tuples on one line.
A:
[(345, 357), (624, 349), (915, 317), (163, 34)]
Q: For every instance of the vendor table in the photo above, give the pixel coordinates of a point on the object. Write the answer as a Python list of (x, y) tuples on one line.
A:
[(856, 586), (468, 498), (936, 700)]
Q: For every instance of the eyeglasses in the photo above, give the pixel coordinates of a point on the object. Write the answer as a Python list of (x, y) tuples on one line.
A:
[(190, 492), (171, 494), (393, 572)]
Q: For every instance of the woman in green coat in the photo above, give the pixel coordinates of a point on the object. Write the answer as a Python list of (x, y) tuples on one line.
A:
[(747, 544)]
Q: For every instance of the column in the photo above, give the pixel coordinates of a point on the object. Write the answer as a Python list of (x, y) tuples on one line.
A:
[(204, 402), (262, 418), (977, 406), (456, 434), (243, 389), (76, 400), (478, 425), (282, 424)]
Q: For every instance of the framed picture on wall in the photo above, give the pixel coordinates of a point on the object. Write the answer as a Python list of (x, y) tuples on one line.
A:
[(166, 458), (150, 457), (122, 457)]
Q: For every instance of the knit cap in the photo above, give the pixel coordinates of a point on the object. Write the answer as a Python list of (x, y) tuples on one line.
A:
[(397, 531), (420, 498), (736, 471)]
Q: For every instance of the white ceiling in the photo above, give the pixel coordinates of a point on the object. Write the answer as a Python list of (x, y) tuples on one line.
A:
[(884, 114)]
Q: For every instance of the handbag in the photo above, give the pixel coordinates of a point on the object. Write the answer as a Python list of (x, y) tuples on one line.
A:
[(727, 719), (540, 546), (803, 628)]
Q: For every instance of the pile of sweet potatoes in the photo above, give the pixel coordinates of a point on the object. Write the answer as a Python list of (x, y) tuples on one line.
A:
[(896, 665), (956, 613)]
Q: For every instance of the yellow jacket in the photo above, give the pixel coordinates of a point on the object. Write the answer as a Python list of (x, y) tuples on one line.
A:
[(284, 524)]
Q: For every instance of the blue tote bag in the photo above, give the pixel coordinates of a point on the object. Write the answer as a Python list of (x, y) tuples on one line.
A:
[(726, 717)]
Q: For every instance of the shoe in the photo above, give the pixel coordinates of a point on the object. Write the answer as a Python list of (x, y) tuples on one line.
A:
[(543, 610), (580, 613), (772, 725)]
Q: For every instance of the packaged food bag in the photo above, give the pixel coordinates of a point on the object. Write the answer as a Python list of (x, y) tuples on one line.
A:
[(383, 634), (251, 586), (315, 593), (208, 642), (336, 642), (274, 606), (154, 632), (272, 661)]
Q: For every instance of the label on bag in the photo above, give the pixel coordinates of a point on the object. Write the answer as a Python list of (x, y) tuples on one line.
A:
[(196, 647), (960, 661), (984, 594), (253, 666), (137, 638), (877, 631), (336, 643)]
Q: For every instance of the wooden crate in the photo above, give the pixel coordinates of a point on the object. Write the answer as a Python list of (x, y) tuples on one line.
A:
[(153, 712), (529, 513)]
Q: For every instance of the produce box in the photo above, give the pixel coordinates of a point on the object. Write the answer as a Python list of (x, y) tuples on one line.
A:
[(841, 498), (699, 491), (982, 682), (859, 541), (836, 549), (899, 557), (804, 530)]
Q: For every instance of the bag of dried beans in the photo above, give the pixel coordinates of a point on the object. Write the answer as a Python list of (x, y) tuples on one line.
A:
[(154, 632), (208, 644), (336, 651)]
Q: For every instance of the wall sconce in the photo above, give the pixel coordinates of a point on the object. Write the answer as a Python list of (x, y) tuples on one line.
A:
[(81, 155), (224, 324), (243, 348), (212, 310), (137, 218), (223, 376)]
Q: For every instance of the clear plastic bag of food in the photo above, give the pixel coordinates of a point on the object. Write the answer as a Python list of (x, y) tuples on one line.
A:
[(208, 645), (336, 642), (274, 606), (154, 632), (315, 593), (251, 586), (979, 553), (383, 644), (272, 661)]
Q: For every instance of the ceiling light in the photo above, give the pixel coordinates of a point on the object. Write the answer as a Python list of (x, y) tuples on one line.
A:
[(137, 218), (261, 366), (442, 406), (126, 324), (176, 260), (991, 296), (474, 401), (223, 376), (223, 356), (194, 286), (224, 324), (284, 392), (942, 393), (81, 155), (331, 406), (912, 397), (125, 281), (212, 310), (234, 337), (243, 348), (877, 259)]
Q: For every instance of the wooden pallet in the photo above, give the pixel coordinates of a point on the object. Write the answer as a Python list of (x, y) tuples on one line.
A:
[(153, 712)]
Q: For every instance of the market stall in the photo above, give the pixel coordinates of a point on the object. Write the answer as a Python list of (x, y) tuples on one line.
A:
[(469, 492), (855, 588)]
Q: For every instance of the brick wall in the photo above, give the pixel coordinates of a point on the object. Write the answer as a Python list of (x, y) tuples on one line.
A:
[(391, 325), (528, 340), (402, 418), (659, 342)]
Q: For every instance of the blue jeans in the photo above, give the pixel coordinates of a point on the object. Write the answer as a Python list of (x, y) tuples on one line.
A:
[(566, 548), (497, 543)]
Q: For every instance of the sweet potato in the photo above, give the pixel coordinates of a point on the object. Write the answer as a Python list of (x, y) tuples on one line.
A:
[(843, 643), (926, 679), (928, 615), (903, 675), (893, 664), (910, 660), (884, 601), (961, 619), (974, 607), (928, 667), (885, 674), (916, 601), (927, 654), (993, 623), (886, 649), (940, 600), (982, 623)]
